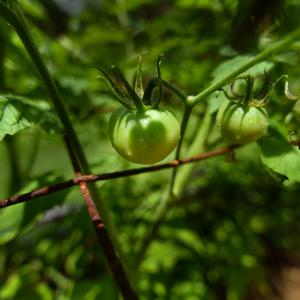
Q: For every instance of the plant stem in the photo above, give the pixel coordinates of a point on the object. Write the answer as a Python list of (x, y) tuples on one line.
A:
[(197, 146), (184, 122), (111, 256), (174, 89), (15, 18), (275, 48), (46, 190)]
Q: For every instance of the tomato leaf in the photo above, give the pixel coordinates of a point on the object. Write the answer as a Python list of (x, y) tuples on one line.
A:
[(280, 156), (19, 113)]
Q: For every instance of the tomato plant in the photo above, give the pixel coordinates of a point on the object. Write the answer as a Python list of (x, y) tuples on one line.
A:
[(171, 231)]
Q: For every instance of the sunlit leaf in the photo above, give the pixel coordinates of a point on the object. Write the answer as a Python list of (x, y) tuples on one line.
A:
[(280, 156), (19, 113)]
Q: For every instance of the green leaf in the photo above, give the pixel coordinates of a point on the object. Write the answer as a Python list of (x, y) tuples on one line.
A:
[(19, 113), (11, 119), (233, 64), (280, 156), (10, 221)]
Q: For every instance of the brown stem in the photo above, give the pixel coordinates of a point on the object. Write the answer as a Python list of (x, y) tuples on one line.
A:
[(105, 241), (112, 258), (106, 176)]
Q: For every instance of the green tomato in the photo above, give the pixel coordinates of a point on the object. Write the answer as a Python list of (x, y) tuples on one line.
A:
[(241, 124), (144, 137)]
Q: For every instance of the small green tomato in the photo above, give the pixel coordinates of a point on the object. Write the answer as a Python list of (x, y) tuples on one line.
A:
[(241, 124), (144, 137)]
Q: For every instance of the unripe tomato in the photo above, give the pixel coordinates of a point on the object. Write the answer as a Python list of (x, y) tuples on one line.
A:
[(144, 137), (241, 124)]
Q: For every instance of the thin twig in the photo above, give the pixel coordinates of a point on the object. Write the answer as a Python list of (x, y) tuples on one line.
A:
[(106, 176), (112, 258)]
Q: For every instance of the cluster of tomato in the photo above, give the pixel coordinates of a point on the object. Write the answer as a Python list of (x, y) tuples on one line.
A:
[(142, 132)]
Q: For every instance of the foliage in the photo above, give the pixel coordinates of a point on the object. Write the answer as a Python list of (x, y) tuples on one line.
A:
[(235, 220)]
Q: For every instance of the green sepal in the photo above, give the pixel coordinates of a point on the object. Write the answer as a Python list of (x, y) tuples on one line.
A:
[(138, 85), (157, 92), (135, 98), (147, 98), (287, 91), (111, 85), (264, 91), (174, 90)]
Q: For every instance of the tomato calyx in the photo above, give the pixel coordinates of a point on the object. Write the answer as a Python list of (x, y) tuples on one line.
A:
[(241, 119), (135, 98), (140, 130), (249, 96), (256, 97)]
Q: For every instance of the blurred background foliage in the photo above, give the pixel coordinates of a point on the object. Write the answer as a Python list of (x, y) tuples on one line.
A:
[(235, 228)]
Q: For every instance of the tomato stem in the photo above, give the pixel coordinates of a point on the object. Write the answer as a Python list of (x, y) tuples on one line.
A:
[(184, 122), (265, 54), (175, 90)]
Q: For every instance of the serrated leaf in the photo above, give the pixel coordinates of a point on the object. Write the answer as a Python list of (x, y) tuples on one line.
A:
[(233, 64), (11, 119), (280, 156), (19, 113)]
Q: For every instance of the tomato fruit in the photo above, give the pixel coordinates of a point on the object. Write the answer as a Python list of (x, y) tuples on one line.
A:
[(143, 137), (241, 124)]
